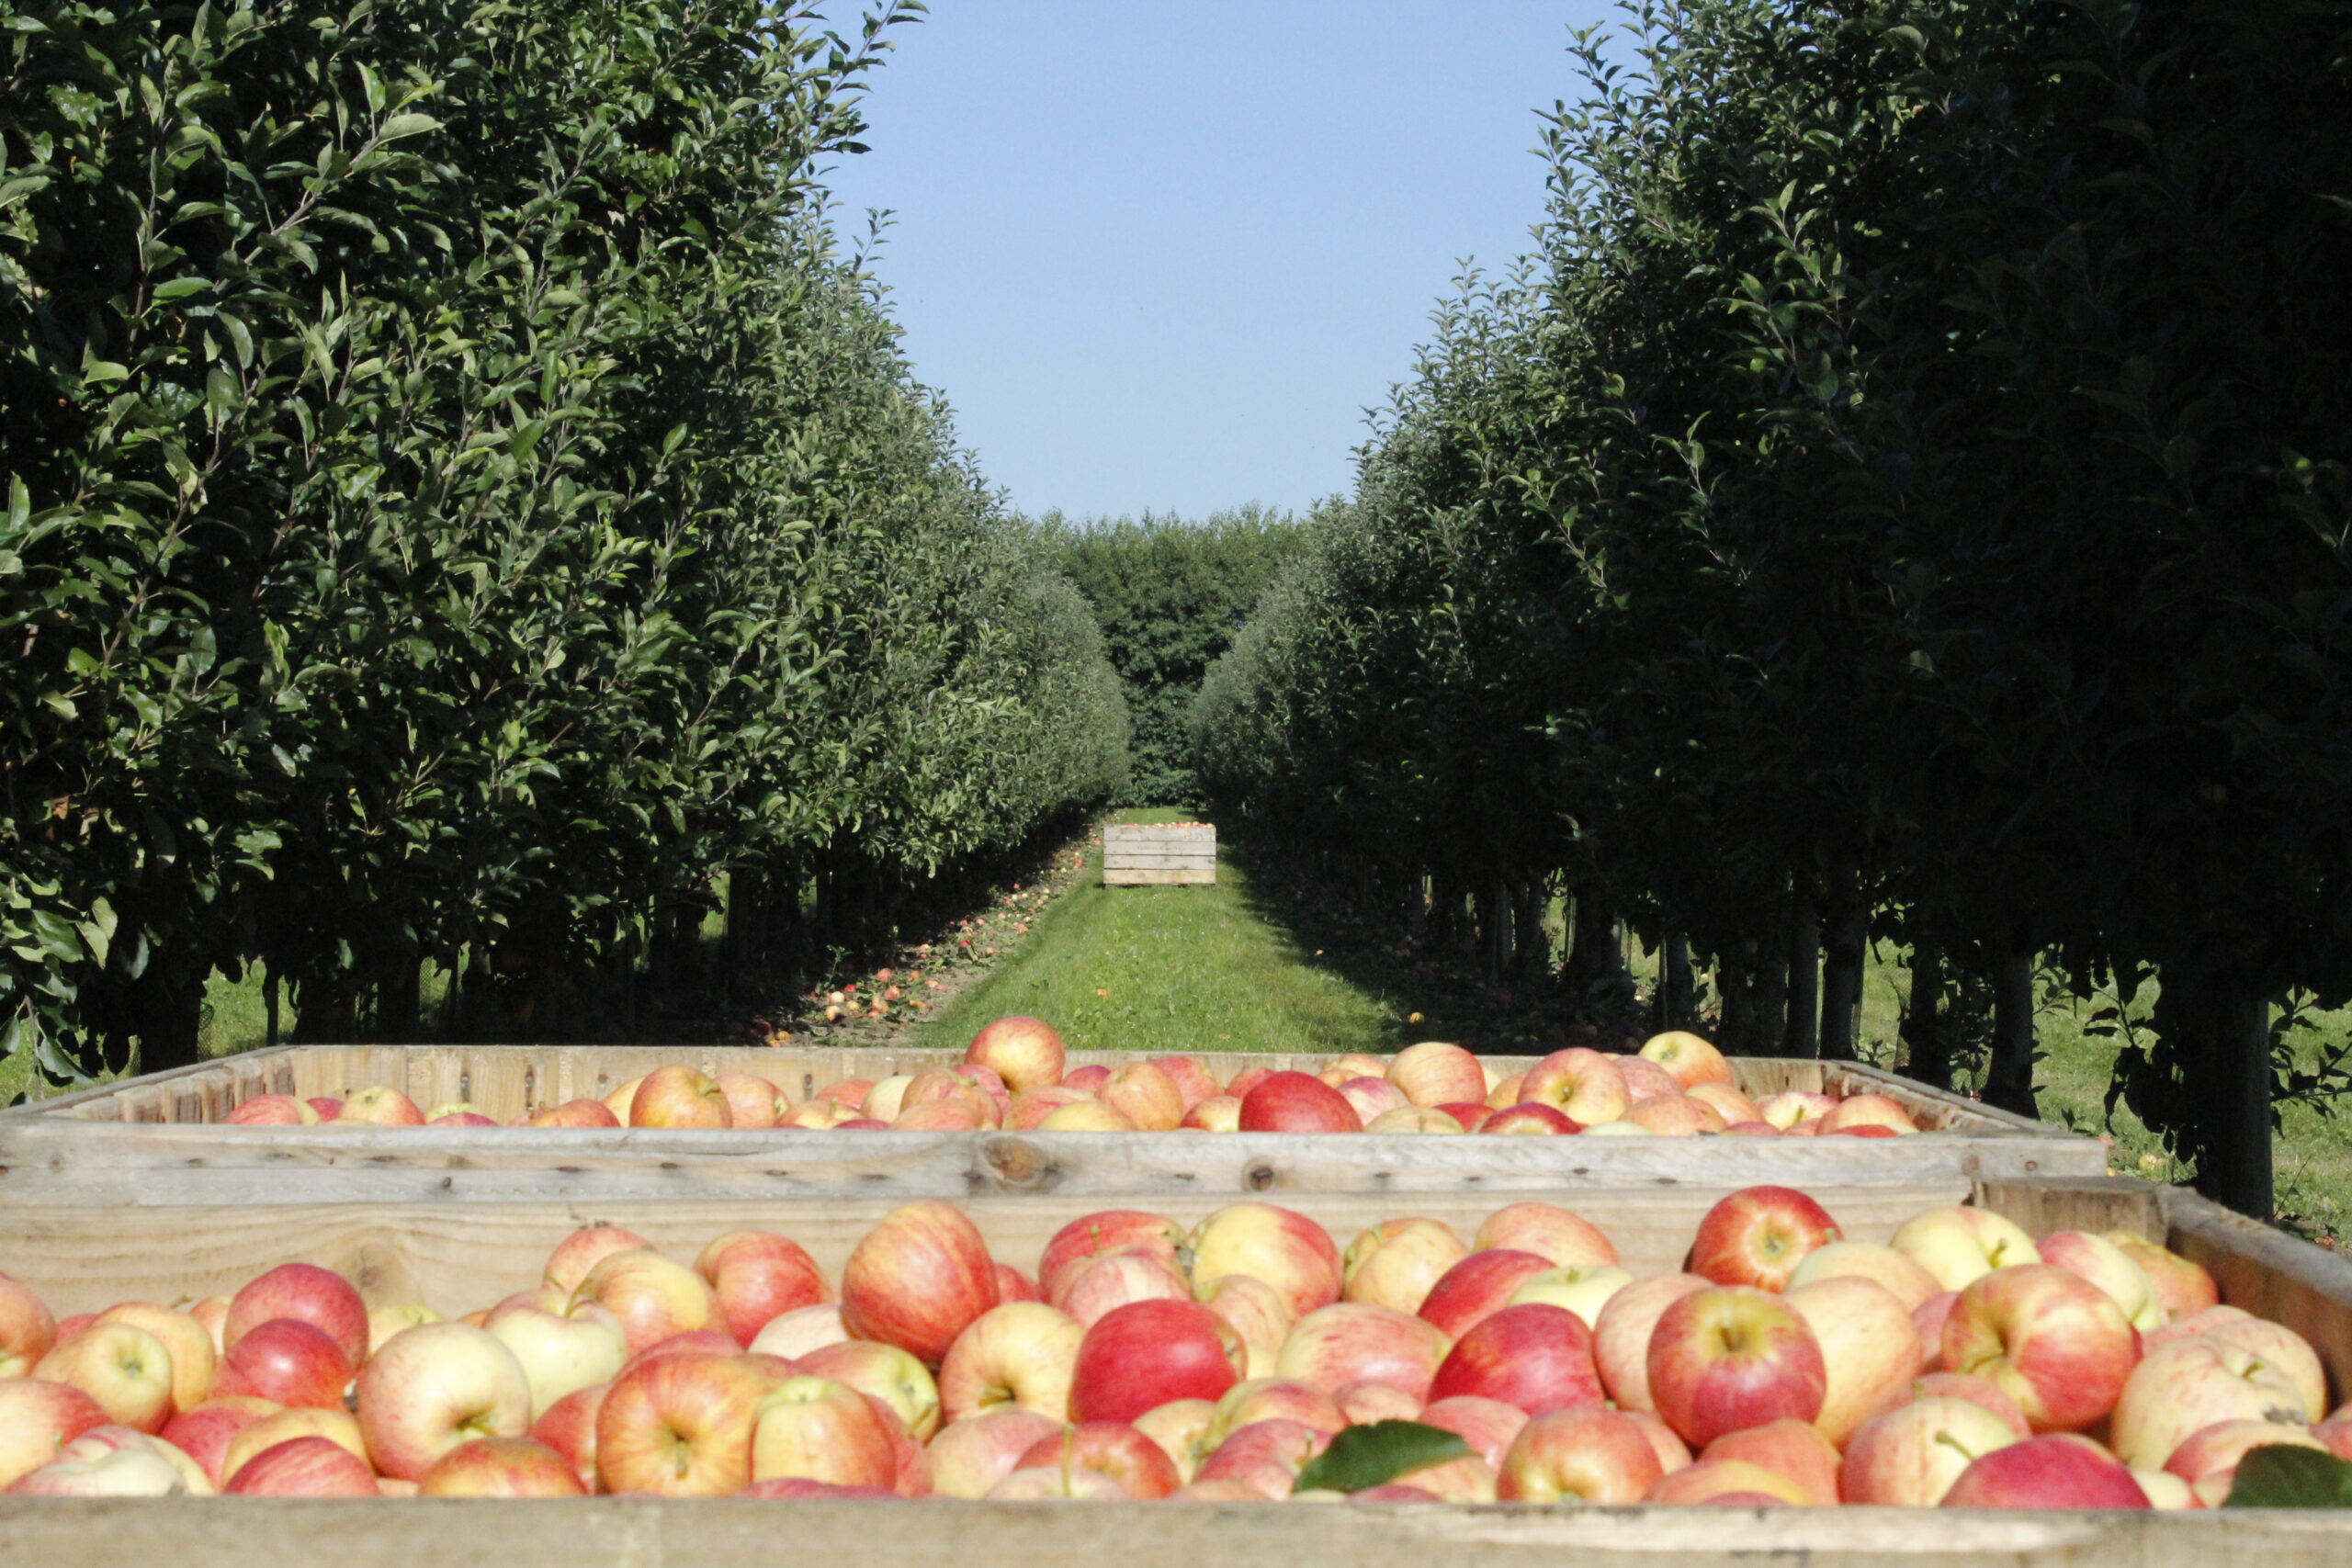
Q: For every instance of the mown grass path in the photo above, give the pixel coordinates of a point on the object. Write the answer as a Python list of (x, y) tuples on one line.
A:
[(1173, 969)]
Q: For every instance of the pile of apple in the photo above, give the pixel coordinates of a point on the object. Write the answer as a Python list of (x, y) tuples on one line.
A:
[(1960, 1365), (1016, 1075)]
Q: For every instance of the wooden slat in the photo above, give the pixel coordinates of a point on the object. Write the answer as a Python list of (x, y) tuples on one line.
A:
[(630, 1532), (1141, 860), (2271, 1275), (1164, 877)]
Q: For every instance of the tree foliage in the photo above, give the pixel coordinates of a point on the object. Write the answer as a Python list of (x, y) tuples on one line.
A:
[(461, 497)]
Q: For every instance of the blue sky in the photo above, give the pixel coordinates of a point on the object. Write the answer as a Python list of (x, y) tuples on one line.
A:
[(1163, 256)]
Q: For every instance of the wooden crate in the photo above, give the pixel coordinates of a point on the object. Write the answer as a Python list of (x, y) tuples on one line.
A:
[(407, 1252), (1149, 854), (150, 1140)]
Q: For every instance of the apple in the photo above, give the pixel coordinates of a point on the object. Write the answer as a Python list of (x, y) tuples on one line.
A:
[(1266, 1457), (1470, 1117), (1910, 1456), (1582, 1288), (1552, 1232), (1489, 1426), (1795, 1451), (751, 1102), (1959, 1246), (1373, 1097), (2167, 1492), (694, 1342), (1397, 1262), (2183, 1288), (2188, 1383), (1792, 1108), (27, 1329), (1978, 1391), (501, 1467), (885, 1372), (1732, 1356), (274, 1111), (1191, 1078), (337, 1426), (1012, 1285), (383, 1322), (814, 1428), (1025, 1051), (1241, 1083), (1867, 1345), (203, 1431), (964, 1116), (984, 1078), (1535, 1357), (303, 1467), (817, 1115), (1296, 1102), (2058, 1470), (971, 1455), (1147, 1353), (1085, 1116), (1272, 1399), (570, 1428), (2104, 1264), (1350, 1341), (560, 1354), (1181, 1428), (308, 1294), (886, 1099), (182, 1338), (679, 1097), (379, 1105), (1353, 1065), (287, 1361), (1437, 1073), (1673, 1116), (1145, 1096), (1672, 1452), (1284, 1249), (1089, 1080), (1529, 1120), (2051, 1340), (1909, 1283), (124, 1367), (460, 1118), (1757, 1236), (651, 1297), (1255, 1311), (848, 1093), (1368, 1400), (1689, 1058), (1621, 1337), (1114, 1282), (1030, 1108), (795, 1333), (1726, 1483), (1481, 1284), (759, 1276), (917, 1279), (619, 1100), (1863, 1111), (575, 1113), (1058, 1482), (581, 1251), (37, 1418), (437, 1386), (2277, 1346), (1019, 1355), (1415, 1120), (1218, 1113), (1580, 1083), (116, 1461), (1734, 1108), (679, 1426), (1108, 1448), (2211, 1452)]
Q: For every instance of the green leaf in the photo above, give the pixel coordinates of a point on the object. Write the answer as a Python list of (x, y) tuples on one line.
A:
[(2285, 1475), (181, 288), (1361, 1457), (401, 125)]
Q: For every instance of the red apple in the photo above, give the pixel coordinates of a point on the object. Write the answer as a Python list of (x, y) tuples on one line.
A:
[(501, 1467), (883, 1373), (2184, 1288), (1470, 1118), (2211, 1453), (751, 1102), (1266, 1456), (1480, 1286), (1088, 1079), (569, 1428), (2049, 1339), (1437, 1073), (1098, 1235), (1271, 1399), (1961, 1245), (1535, 1357), (1058, 1482), (203, 1431), (2105, 1265), (1350, 1342), (1758, 1235), (1181, 1428), (917, 1279), (679, 1097), (1580, 1083), (1645, 1079), (575, 1113), (1673, 1116), (1012, 1285), (1194, 1081), (336, 1427), (1789, 1448), (285, 1361), (1578, 1454), (124, 1367), (1218, 1113), (2277, 1346), (2059, 1470), (1909, 1283), (1976, 1390), (1285, 1249), (1732, 1356), (1114, 1282), (1726, 1483), (1395, 1263), (964, 1115), (652, 1297), (328, 1109), (971, 1455), (1910, 1456), (319, 1297), (2188, 1383), (303, 1467), (795, 1333), (435, 1387), (1367, 1401), (1529, 1120), (1019, 1355), (1030, 1108), (1255, 1311), (1241, 1083), (1296, 1102), (1025, 1051), (379, 1105), (679, 1426), (1867, 1345), (1148, 1353), (1372, 1098), (1734, 1108), (813, 1428), (1621, 1336), (759, 1276), (1112, 1449), (1489, 1426), (1146, 1096), (27, 1329), (273, 1111), (36, 1419)]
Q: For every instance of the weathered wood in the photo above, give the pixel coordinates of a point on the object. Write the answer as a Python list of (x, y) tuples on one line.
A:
[(1155, 858), (631, 1532), (1160, 877), (1158, 855), (2271, 1274), (156, 1141), (1156, 833)]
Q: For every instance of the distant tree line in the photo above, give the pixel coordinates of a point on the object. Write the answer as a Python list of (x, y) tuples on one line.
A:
[(463, 504), (1908, 497)]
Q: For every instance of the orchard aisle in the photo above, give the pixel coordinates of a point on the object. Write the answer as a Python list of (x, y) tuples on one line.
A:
[(1172, 969)]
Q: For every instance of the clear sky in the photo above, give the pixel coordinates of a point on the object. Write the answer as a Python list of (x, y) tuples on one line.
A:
[(1164, 256)]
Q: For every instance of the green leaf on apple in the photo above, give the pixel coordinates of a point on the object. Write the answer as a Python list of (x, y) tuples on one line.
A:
[(1361, 1457), (2283, 1475)]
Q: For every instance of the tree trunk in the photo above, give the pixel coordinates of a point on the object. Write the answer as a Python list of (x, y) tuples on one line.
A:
[(270, 1006), (1768, 1001), (1676, 988), (1801, 1036), (1416, 909), (1595, 973), (1844, 951), (2008, 1080), (2220, 1035), (1926, 1049), (1530, 948), (1497, 930)]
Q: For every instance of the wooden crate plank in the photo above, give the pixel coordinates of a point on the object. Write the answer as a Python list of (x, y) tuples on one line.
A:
[(1161, 878), (2271, 1274)]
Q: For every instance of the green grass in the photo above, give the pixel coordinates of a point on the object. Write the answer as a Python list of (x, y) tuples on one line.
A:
[(1165, 969)]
